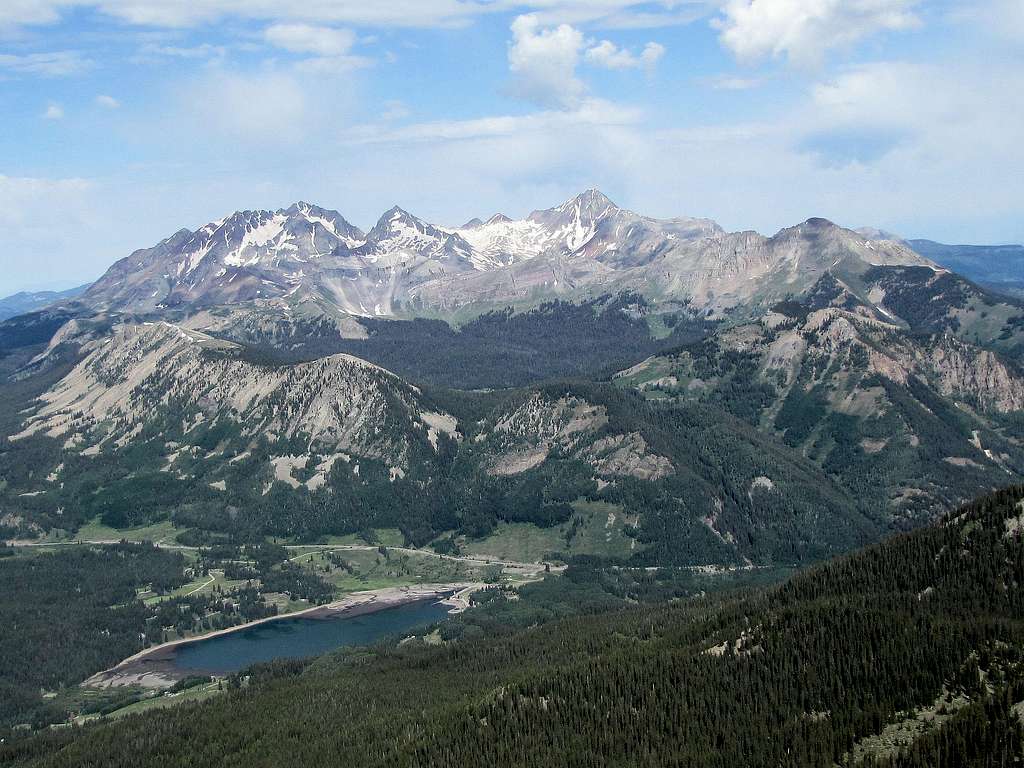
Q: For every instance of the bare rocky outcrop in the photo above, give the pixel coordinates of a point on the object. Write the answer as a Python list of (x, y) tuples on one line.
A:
[(963, 370), (523, 438), (627, 455)]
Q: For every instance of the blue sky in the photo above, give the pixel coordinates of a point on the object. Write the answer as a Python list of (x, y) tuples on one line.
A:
[(126, 120)]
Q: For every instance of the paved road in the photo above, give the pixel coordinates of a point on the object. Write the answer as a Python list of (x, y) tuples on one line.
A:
[(473, 560)]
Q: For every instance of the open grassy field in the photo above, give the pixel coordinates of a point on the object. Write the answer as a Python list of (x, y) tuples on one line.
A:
[(596, 528), (369, 569), (162, 532), (198, 586), (158, 701), (388, 537)]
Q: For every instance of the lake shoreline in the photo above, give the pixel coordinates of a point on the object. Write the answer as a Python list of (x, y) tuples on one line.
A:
[(155, 667)]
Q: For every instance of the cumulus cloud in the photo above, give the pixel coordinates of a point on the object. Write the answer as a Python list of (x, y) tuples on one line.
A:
[(108, 102), (49, 64), (607, 54), (933, 110), (330, 47), (543, 63), (804, 30), (54, 112)]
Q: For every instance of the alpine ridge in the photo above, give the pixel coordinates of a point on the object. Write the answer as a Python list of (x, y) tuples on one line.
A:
[(309, 257)]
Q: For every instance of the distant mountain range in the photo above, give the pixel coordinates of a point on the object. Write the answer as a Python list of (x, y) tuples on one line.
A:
[(306, 258), (1000, 267), (30, 301)]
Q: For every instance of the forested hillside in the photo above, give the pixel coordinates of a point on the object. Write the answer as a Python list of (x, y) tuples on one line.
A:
[(910, 422), (45, 648), (556, 339), (907, 653)]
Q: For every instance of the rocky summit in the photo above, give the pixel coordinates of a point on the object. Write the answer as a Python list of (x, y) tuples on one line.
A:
[(305, 255)]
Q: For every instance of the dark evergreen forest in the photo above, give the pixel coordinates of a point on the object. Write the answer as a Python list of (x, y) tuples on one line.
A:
[(800, 674)]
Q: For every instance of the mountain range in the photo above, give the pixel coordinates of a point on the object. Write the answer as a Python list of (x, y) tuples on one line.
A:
[(654, 408), (29, 301), (733, 398), (305, 256)]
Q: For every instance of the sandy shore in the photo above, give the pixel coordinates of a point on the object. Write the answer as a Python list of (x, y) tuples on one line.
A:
[(155, 668)]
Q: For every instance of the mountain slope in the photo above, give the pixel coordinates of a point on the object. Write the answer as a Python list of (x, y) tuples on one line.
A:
[(911, 422), (337, 445), (244, 257), (338, 402)]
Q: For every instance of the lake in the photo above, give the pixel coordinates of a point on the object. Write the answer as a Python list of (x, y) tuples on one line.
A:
[(299, 638)]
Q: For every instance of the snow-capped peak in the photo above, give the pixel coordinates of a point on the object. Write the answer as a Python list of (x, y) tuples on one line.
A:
[(399, 234), (591, 203)]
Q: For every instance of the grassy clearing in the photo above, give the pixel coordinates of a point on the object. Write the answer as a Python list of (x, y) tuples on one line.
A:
[(198, 693), (198, 586), (388, 537), (596, 528), (368, 569), (157, 532)]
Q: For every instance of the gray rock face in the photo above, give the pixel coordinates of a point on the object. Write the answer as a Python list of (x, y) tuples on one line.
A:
[(306, 256), (246, 256)]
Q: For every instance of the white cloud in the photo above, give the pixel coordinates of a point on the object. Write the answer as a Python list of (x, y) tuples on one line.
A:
[(614, 14), (394, 13), (54, 112), (109, 102), (651, 54), (591, 112), (30, 12), (394, 109), (732, 83), (543, 63), (608, 55), (924, 150), (202, 51), (185, 13), (262, 108), (939, 113), (332, 65), (804, 30), (19, 196), (331, 47), (50, 64), (1002, 19), (304, 38)]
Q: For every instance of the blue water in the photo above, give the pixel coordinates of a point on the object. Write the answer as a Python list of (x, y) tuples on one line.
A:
[(298, 638)]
